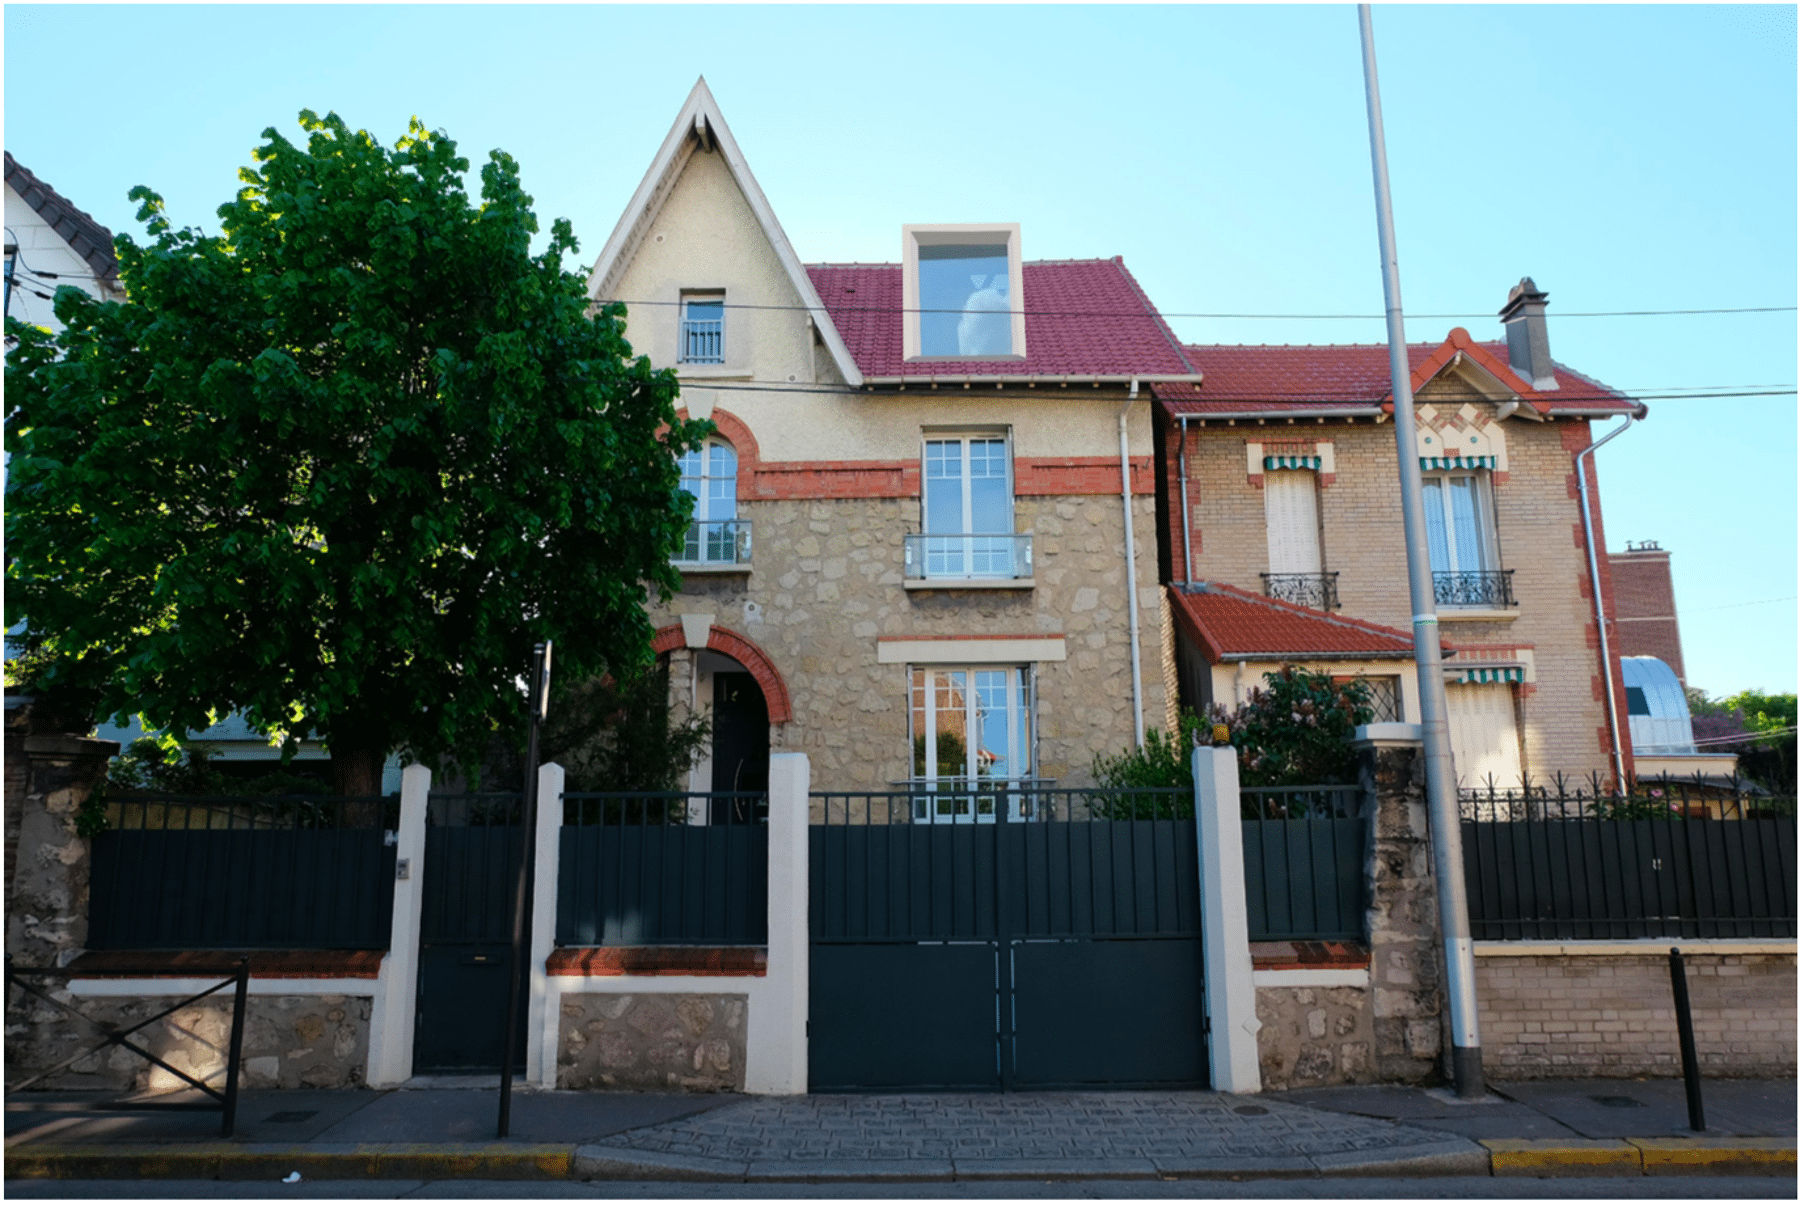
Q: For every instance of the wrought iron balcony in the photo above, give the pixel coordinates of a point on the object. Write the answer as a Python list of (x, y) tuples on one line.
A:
[(717, 542), (702, 340), (1486, 590), (968, 557), (1318, 590)]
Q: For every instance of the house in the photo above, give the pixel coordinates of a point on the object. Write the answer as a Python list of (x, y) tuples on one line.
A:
[(924, 545), (1645, 605), (51, 243), (1279, 484)]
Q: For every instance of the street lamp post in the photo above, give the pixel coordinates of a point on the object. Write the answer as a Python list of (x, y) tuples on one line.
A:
[(540, 707)]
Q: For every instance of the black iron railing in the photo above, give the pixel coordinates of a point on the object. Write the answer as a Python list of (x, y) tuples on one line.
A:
[(663, 868), (1489, 589), (1317, 590), (1305, 850), (1566, 860), (242, 872)]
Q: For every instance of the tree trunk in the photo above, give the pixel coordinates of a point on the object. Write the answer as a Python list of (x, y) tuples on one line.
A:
[(356, 771)]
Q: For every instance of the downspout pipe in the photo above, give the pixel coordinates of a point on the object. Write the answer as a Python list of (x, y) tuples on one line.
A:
[(1187, 543), (1131, 590), (1593, 555)]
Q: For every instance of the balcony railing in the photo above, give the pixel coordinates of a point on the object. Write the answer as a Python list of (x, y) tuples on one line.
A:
[(1487, 590), (717, 542), (1317, 590), (968, 557), (702, 340)]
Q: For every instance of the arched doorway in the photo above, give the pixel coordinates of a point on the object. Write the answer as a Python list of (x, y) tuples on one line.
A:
[(734, 683)]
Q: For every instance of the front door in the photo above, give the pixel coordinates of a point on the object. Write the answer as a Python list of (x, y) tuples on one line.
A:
[(472, 845), (740, 761)]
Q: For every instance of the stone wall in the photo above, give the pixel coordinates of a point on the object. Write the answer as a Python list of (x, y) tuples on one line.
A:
[(289, 1041), (1557, 1015), (653, 1041), (1393, 1029)]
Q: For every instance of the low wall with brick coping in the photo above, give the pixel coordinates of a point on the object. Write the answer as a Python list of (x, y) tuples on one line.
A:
[(1551, 1010)]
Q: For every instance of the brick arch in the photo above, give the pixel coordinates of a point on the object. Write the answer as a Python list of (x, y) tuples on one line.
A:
[(733, 431), (746, 653)]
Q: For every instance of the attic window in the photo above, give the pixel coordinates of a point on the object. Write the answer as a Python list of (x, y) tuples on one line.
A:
[(962, 291)]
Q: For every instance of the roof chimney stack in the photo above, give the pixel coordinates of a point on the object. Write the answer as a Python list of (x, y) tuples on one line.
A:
[(1527, 340)]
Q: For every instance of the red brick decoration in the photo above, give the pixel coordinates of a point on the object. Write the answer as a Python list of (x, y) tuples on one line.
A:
[(749, 456), (746, 653), (1046, 476), (1308, 955), (1033, 477), (202, 964), (599, 961)]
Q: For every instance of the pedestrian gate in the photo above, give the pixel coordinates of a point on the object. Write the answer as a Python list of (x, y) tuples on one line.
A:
[(985, 938)]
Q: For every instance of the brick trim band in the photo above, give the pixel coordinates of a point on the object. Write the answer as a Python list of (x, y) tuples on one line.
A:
[(264, 964), (746, 653), (598, 961)]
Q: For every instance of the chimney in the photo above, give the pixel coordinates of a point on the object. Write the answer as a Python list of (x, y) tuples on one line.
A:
[(1527, 340)]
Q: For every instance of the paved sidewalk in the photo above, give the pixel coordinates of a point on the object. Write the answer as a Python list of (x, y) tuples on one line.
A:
[(1559, 1128)]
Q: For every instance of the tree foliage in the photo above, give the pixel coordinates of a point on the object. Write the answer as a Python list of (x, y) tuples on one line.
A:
[(1765, 722), (338, 467), (610, 735)]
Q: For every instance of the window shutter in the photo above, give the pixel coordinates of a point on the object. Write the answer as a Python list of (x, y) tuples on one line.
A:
[(1484, 735), (1292, 513)]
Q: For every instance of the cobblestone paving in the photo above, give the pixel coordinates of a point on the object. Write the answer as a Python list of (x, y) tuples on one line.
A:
[(1110, 1125)]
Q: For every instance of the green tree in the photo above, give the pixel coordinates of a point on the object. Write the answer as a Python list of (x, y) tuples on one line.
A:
[(1296, 729), (338, 467)]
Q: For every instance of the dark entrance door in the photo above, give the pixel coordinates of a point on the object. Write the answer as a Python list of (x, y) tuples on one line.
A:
[(1038, 939), (740, 719), (472, 847)]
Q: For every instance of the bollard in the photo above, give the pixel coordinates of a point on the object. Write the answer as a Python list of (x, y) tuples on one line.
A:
[(1684, 1026)]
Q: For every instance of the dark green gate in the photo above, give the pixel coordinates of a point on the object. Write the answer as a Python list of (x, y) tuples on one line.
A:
[(983, 938), (472, 847)]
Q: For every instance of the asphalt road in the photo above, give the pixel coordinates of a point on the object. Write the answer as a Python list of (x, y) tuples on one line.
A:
[(1717, 1188)]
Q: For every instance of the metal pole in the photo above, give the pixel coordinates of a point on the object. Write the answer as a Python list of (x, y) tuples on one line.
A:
[(235, 1058), (1593, 555), (540, 701), (1684, 1027), (1440, 784)]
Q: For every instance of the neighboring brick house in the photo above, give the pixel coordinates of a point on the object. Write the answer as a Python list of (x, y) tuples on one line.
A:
[(1644, 593), (942, 572), (1280, 480)]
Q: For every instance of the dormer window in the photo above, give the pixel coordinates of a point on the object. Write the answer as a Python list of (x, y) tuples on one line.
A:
[(702, 328), (962, 291)]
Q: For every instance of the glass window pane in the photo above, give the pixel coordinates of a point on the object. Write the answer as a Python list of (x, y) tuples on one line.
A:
[(1434, 526), (943, 487), (1469, 556), (706, 311), (964, 301), (993, 758)]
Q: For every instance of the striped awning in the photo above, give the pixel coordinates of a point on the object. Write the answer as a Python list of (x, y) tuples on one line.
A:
[(1456, 462), (1291, 462), (1502, 673)]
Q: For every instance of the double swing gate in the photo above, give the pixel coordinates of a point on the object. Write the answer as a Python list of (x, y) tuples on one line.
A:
[(978, 937)]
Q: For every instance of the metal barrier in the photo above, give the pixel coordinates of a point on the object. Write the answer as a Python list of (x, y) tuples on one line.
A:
[(111, 1035), (1305, 849)]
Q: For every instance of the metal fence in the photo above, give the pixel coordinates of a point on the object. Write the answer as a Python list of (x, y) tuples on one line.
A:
[(663, 868), (1668, 859), (1305, 850), (242, 872)]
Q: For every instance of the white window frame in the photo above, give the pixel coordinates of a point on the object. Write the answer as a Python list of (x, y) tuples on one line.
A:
[(965, 795), (914, 237), (1488, 549), (966, 546), (689, 297), (699, 539)]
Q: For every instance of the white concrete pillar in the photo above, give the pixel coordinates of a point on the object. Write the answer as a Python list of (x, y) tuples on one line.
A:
[(1224, 923), (776, 1063), (545, 1003), (397, 986)]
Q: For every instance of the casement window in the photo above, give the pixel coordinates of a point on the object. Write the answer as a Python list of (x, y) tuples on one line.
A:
[(971, 731), (1459, 532), (1484, 735), (702, 328), (962, 292), (967, 511), (716, 536), (1291, 509)]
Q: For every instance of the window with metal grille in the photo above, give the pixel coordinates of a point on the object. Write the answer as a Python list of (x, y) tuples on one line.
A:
[(703, 329)]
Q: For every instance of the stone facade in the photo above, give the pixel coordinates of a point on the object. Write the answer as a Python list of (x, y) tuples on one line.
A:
[(1537, 525), (1391, 1030), (301, 1041), (1560, 1015), (650, 1041)]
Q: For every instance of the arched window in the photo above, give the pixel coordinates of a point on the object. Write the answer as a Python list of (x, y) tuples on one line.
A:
[(717, 536)]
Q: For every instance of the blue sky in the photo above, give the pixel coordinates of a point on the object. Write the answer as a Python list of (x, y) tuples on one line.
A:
[(1627, 158)]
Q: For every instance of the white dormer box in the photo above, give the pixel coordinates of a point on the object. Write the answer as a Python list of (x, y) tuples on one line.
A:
[(963, 292)]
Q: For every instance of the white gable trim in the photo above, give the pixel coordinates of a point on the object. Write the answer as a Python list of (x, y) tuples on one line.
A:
[(700, 120)]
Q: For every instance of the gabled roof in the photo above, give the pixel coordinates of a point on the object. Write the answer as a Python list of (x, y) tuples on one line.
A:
[(86, 237), (1084, 319), (1230, 624), (701, 124), (1353, 378)]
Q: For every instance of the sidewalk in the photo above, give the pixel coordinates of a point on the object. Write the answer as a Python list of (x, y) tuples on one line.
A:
[(1607, 1127)]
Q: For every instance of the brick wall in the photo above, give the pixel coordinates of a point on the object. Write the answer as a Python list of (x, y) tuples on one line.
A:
[(1644, 598), (1613, 1015)]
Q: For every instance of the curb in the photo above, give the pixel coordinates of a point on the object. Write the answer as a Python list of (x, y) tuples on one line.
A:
[(1700, 1156), (273, 1161)]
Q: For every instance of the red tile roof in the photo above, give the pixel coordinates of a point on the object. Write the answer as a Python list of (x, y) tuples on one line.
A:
[(1354, 376), (1083, 318), (1231, 624)]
